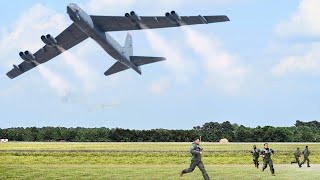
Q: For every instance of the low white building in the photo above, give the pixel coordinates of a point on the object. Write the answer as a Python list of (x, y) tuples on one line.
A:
[(4, 140)]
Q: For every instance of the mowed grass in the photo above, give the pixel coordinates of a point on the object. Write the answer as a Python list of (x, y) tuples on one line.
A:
[(136, 146), (88, 171), (146, 161)]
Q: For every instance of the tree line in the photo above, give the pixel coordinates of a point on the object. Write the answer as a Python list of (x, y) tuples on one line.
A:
[(210, 131)]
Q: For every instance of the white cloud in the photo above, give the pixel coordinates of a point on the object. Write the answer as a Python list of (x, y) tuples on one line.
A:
[(304, 22), (278, 48), (224, 69), (309, 62), (103, 6), (299, 57), (33, 23), (160, 86), (223, 2), (176, 62), (118, 6)]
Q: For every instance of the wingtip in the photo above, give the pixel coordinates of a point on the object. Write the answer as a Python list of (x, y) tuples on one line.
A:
[(11, 77), (106, 73), (226, 18)]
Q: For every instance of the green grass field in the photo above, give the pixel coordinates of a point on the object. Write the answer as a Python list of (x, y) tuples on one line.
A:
[(145, 161)]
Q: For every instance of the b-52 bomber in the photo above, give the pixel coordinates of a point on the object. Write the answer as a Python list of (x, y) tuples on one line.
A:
[(96, 27)]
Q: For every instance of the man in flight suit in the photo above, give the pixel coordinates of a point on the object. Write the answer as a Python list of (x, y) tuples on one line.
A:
[(297, 155), (266, 154), (255, 156), (196, 151), (306, 154)]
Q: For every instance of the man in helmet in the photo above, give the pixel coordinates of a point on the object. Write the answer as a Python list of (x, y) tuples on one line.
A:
[(196, 151), (266, 154)]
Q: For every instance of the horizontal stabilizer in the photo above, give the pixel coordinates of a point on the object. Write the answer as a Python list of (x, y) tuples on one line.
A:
[(136, 60), (142, 60), (117, 67)]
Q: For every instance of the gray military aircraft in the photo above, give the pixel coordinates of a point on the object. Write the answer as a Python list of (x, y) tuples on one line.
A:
[(85, 26)]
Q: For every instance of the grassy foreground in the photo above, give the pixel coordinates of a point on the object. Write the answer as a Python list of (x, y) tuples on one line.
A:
[(145, 161), (87, 171)]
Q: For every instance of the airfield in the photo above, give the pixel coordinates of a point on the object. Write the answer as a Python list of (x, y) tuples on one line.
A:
[(64, 160)]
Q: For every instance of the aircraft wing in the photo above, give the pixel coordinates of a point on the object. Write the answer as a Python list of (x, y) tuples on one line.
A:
[(65, 40), (122, 23)]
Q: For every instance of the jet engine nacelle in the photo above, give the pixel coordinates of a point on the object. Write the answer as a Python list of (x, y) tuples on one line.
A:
[(44, 40), (30, 56), (27, 56), (23, 56), (49, 40), (133, 16), (173, 17)]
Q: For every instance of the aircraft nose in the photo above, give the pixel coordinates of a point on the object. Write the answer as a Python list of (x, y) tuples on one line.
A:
[(69, 9), (72, 8), (73, 11)]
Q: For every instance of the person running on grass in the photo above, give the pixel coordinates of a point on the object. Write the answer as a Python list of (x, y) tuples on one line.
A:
[(297, 155), (266, 154), (196, 151), (306, 154), (255, 156)]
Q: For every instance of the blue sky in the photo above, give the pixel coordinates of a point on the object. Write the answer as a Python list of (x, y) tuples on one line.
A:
[(261, 68)]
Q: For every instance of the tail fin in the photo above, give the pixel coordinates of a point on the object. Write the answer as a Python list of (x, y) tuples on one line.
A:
[(127, 48)]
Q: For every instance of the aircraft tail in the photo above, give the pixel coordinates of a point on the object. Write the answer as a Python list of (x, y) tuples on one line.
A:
[(127, 48), (136, 60)]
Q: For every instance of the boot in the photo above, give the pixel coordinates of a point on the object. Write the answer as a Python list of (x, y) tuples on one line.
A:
[(272, 171)]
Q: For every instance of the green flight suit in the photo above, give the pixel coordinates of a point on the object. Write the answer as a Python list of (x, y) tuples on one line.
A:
[(306, 154), (195, 150), (297, 155), (266, 154), (255, 157)]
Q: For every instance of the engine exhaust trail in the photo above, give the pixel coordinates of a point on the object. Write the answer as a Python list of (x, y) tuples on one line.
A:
[(57, 83), (80, 68), (177, 63)]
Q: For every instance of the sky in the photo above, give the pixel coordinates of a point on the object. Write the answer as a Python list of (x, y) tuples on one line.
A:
[(261, 68)]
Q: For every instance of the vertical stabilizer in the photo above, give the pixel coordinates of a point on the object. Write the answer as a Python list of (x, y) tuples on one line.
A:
[(127, 48)]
